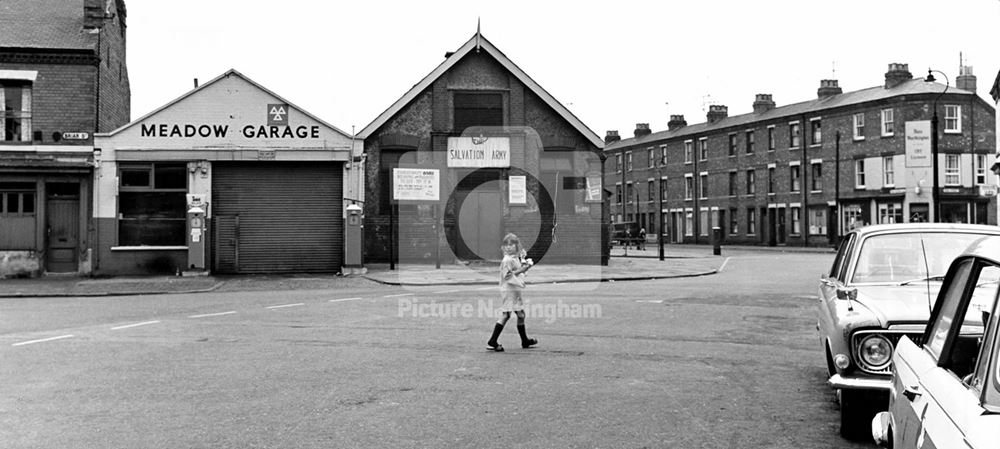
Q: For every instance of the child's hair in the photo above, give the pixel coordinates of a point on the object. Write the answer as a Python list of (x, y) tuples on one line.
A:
[(511, 239)]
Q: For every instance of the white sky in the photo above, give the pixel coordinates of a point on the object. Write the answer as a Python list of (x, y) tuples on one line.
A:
[(613, 64)]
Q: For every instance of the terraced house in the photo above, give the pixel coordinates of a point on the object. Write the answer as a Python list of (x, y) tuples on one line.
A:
[(805, 173)]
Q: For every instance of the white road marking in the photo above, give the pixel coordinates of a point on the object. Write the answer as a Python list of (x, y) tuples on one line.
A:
[(724, 264), (213, 314), (344, 299), (134, 325), (42, 340), (286, 305), (399, 295)]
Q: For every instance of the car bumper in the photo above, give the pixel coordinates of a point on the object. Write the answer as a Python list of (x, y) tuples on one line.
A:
[(859, 383)]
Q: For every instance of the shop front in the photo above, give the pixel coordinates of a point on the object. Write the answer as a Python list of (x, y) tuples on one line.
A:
[(229, 178)]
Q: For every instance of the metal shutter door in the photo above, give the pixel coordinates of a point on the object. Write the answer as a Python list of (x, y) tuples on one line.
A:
[(277, 217)]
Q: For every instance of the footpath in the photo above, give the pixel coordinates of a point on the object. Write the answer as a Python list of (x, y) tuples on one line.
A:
[(633, 264)]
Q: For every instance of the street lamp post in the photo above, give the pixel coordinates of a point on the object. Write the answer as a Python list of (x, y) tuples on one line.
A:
[(935, 195)]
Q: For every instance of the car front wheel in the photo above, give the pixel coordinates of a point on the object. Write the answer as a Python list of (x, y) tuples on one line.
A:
[(856, 413)]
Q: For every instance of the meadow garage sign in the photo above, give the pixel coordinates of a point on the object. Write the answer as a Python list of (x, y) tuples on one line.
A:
[(222, 131)]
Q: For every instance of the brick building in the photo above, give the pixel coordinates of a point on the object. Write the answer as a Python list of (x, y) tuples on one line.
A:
[(63, 77), (495, 153), (805, 173)]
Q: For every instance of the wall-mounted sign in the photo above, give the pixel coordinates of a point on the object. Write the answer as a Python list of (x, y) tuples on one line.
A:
[(416, 184), (265, 155), (517, 188), (75, 136), (222, 131), (277, 114), (594, 188), (987, 190), (918, 143), (479, 152)]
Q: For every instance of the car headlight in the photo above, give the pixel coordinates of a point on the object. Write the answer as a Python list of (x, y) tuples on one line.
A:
[(875, 351)]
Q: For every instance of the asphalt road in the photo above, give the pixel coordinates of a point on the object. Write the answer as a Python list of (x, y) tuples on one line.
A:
[(730, 360)]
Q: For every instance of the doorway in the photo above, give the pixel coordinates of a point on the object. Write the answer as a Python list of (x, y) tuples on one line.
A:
[(62, 211), (781, 226)]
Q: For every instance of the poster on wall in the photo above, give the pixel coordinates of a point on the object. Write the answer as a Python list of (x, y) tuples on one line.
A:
[(517, 187), (416, 184), (594, 188), (918, 143)]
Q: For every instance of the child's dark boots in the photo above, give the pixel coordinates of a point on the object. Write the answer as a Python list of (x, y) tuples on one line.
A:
[(525, 341), (492, 345)]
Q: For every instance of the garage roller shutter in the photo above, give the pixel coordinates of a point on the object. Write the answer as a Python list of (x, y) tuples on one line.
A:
[(277, 217)]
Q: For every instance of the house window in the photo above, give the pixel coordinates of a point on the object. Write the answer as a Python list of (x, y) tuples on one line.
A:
[(703, 222), (795, 173), (17, 198), (732, 145), (732, 183), (628, 161), (859, 173), (663, 188), (618, 162), (688, 151), (859, 126), (751, 221), (890, 213), (980, 169), (663, 155), (952, 118), (770, 180), (651, 157), (888, 171), (750, 142), (952, 175), (703, 185), (817, 177), (618, 193), (629, 193), (689, 223), (816, 131), (817, 221), (751, 183), (15, 111), (650, 191), (796, 220), (688, 186), (703, 149), (770, 139), (734, 222), (887, 122), (152, 204), (478, 109), (793, 134)]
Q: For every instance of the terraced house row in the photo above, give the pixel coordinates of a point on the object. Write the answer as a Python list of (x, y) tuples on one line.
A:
[(805, 173)]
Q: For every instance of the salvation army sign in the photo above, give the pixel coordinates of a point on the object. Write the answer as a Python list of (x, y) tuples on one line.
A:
[(918, 143), (479, 152)]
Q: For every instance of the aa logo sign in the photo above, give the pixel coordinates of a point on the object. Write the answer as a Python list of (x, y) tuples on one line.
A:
[(277, 114)]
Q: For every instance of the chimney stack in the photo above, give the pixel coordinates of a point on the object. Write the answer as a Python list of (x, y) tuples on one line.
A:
[(763, 103), (642, 129), (966, 80), (828, 88), (897, 74), (717, 112), (93, 14), (676, 122), (612, 136)]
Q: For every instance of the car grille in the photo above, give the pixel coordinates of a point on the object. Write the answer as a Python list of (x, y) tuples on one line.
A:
[(892, 336)]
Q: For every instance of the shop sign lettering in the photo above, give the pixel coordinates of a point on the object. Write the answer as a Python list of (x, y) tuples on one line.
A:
[(222, 131)]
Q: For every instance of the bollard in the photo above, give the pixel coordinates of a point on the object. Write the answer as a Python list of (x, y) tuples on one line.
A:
[(717, 241)]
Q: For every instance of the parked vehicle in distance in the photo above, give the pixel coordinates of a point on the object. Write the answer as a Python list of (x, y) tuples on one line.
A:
[(945, 391), (882, 286)]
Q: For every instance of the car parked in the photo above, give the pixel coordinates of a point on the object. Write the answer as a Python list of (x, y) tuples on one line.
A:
[(945, 391), (882, 286)]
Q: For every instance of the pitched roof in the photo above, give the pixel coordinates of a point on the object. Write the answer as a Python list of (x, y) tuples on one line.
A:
[(479, 42), (995, 90), (911, 87), (44, 24)]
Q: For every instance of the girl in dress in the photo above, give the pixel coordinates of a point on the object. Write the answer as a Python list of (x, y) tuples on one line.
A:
[(512, 269)]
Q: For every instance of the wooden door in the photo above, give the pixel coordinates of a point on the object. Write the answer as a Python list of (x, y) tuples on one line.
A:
[(62, 227)]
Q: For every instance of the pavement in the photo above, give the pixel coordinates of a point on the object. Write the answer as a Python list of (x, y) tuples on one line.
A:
[(624, 265)]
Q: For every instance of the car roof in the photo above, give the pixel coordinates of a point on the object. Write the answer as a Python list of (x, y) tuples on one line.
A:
[(926, 227)]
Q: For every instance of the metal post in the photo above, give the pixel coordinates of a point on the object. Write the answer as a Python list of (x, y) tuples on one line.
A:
[(659, 217), (934, 164)]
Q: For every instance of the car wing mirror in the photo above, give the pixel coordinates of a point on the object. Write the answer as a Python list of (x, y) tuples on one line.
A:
[(849, 293)]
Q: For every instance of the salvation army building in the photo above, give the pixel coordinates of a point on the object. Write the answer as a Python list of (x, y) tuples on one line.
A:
[(228, 178), (477, 149)]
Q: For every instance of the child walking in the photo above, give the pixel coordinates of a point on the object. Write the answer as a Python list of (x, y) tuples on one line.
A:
[(512, 269)]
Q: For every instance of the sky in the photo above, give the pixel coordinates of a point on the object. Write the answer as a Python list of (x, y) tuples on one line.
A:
[(613, 64)]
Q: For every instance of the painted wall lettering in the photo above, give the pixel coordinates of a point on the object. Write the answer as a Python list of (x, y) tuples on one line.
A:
[(164, 130)]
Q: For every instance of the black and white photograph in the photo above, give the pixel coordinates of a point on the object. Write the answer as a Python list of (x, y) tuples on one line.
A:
[(451, 224)]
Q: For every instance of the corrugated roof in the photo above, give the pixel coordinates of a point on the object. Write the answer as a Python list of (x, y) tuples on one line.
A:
[(44, 24), (912, 87)]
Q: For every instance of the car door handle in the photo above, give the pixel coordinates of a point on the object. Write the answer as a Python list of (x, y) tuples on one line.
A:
[(912, 392)]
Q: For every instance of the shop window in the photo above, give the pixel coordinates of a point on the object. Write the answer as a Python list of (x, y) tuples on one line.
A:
[(853, 218), (478, 109), (17, 198), (817, 221), (890, 213), (15, 111), (151, 204)]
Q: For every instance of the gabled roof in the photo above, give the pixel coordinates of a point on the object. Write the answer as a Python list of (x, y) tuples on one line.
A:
[(51, 24), (478, 42), (792, 111), (995, 90), (230, 72)]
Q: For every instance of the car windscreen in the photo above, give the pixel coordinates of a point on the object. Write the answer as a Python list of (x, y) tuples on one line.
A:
[(908, 257)]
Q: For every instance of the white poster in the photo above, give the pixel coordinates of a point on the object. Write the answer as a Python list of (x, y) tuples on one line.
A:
[(594, 188), (918, 143), (518, 189), (416, 184), (479, 152)]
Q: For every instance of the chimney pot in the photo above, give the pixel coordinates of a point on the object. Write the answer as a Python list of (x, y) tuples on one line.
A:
[(966, 80), (828, 88), (676, 122), (612, 136), (897, 74), (642, 129), (717, 112), (762, 103)]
